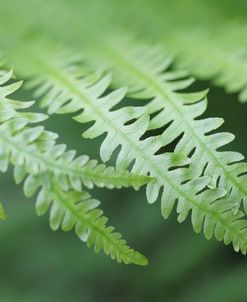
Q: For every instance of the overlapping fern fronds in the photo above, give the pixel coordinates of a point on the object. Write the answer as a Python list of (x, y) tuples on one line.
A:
[(52, 170), (214, 50), (34, 150), (198, 177), (143, 70), (65, 90)]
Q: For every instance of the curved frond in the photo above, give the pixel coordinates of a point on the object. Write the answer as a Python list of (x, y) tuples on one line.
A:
[(78, 210), (34, 150), (143, 71), (43, 165), (64, 90)]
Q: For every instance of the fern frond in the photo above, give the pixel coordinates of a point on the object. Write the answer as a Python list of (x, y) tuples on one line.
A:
[(143, 71), (219, 56), (64, 91), (209, 51), (34, 150), (78, 210), (43, 165)]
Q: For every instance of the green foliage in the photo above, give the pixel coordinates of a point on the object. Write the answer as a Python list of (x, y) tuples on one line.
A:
[(41, 163), (65, 88), (165, 141), (78, 210), (143, 71), (224, 57)]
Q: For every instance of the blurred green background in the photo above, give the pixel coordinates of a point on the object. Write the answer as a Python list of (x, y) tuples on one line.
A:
[(38, 265)]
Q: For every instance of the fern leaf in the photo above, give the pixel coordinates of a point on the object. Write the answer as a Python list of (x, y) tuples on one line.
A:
[(143, 71), (78, 210), (219, 56), (125, 127), (46, 166), (33, 150)]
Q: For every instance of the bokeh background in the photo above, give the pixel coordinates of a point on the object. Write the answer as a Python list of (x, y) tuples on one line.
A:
[(37, 265)]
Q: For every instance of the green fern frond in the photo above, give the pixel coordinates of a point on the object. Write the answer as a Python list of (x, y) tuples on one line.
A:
[(78, 210), (64, 91), (34, 150), (143, 71), (43, 165), (219, 56)]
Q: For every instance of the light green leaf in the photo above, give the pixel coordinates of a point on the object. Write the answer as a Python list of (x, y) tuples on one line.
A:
[(213, 209), (59, 177)]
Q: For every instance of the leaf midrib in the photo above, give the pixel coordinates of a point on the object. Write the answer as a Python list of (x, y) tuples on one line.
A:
[(67, 171), (73, 87), (124, 61), (91, 224)]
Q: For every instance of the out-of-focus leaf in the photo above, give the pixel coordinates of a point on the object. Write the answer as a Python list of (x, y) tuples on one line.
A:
[(2, 212)]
